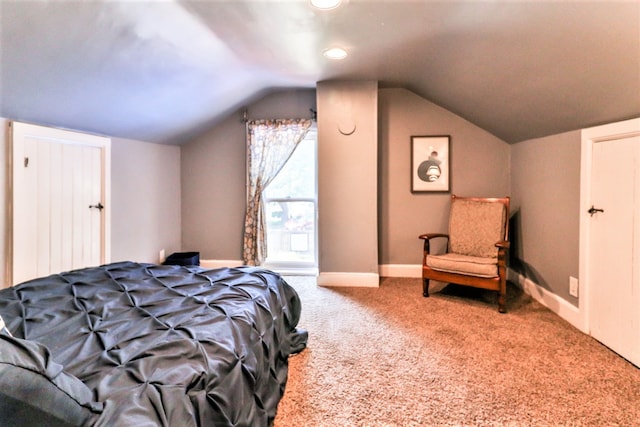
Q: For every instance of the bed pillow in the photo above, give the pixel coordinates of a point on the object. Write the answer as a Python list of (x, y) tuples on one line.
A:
[(35, 390)]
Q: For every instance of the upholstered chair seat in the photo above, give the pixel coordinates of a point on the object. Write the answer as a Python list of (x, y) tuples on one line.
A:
[(464, 264)]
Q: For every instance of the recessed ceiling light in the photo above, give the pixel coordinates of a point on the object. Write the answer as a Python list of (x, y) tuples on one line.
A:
[(325, 4), (335, 53)]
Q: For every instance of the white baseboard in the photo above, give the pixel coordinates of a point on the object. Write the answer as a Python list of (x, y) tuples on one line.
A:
[(384, 270), (400, 270), (370, 280), (219, 263), (366, 280), (553, 302)]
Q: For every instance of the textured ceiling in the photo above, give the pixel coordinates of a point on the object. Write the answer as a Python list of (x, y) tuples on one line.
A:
[(165, 71)]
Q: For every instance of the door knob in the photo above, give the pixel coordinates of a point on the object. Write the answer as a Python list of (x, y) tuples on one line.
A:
[(593, 210), (98, 206)]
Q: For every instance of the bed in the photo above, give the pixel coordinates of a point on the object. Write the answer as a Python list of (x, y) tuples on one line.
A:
[(130, 344)]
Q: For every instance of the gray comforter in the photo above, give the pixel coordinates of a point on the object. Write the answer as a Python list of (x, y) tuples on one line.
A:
[(154, 345)]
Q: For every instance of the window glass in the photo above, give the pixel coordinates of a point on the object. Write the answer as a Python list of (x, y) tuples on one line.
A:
[(298, 176)]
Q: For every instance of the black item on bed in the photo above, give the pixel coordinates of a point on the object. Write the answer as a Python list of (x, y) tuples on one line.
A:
[(139, 344), (183, 258)]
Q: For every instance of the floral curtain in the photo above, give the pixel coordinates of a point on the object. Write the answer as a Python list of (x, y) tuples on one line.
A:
[(270, 143)]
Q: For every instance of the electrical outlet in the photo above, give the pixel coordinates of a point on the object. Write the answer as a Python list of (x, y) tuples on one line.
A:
[(573, 286), (161, 256)]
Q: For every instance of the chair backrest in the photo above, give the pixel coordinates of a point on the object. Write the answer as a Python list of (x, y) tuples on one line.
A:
[(476, 224)]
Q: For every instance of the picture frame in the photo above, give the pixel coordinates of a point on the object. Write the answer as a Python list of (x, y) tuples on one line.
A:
[(430, 163)]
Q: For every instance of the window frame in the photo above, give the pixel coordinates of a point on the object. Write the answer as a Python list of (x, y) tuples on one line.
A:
[(299, 267)]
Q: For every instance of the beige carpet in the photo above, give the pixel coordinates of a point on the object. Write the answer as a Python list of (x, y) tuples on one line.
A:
[(389, 357)]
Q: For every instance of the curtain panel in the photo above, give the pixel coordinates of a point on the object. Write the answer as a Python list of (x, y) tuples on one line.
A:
[(270, 144)]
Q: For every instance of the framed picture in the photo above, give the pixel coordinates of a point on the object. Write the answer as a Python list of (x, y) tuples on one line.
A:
[(430, 163)]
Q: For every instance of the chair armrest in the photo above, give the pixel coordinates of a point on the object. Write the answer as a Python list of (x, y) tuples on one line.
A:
[(503, 247), (432, 236), (427, 237), (503, 244)]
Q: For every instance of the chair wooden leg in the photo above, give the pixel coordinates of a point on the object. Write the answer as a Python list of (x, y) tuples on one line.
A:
[(502, 303), (425, 288), (502, 296)]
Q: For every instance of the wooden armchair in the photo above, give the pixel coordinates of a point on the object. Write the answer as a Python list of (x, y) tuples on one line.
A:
[(477, 245)]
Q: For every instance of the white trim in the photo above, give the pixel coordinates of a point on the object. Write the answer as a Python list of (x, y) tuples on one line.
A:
[(219, 263), (293, 271), (553, 302), (364, 280), (612, 131), (400, 270), (586, 149), (590, 136), (106, 191)]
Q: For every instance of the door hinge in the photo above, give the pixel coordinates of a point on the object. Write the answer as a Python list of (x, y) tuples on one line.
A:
[(26, 162)]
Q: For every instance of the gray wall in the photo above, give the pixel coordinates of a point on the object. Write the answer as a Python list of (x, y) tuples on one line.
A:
[(145, 198), (156, 188), (545, 183), (479, 167), (347, 176), (214, 176)]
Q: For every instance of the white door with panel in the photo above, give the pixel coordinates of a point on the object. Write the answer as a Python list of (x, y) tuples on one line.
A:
[(60, 201), (614, 248)]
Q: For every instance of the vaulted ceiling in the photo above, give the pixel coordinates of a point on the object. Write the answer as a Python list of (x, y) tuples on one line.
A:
[(166, 70)]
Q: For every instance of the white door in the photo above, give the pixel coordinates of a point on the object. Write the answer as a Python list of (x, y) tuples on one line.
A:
[(60, 201), (614, 252)]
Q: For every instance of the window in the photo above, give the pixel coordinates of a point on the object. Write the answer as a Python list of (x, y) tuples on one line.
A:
[(291, 211)]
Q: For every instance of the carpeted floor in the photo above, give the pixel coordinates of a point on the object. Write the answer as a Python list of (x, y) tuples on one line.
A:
[(389, 357)]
